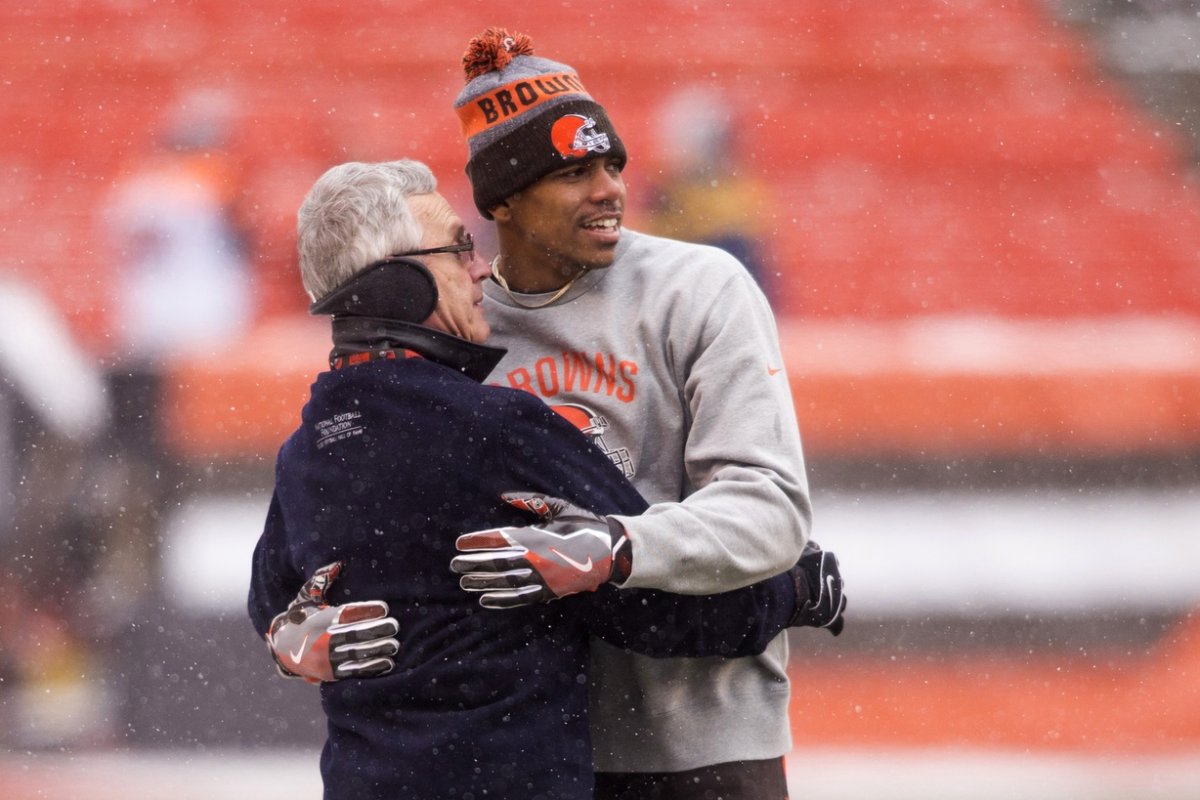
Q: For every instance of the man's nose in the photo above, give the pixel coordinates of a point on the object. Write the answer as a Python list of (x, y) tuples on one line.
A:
[(607, 184), (479, 267)]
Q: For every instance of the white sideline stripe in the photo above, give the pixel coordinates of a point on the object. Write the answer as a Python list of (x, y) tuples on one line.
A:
[(931, 553), (976, 553), (951, 774), (206, 551), (177, 774), (993, 345), (813, 774)]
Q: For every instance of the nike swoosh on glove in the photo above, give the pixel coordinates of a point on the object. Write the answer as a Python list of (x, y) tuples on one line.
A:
[(818, 578), (570, 550), (319, 642)]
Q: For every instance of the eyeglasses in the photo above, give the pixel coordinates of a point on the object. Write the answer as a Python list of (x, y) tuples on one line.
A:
[(466, 246)]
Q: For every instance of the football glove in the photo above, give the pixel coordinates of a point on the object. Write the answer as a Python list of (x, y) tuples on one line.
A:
[(319, 642), (818, 578), (569, 550)]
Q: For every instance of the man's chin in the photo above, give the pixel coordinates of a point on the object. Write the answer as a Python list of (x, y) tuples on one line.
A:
[(601, 257)]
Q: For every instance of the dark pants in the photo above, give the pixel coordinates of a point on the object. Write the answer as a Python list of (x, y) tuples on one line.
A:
[(735, 780)]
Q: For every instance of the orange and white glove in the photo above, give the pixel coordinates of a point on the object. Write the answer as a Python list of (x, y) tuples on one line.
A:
[(570, 550), (319, 642)]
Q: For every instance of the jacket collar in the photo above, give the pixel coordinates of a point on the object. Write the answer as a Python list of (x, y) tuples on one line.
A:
[(353, 334)]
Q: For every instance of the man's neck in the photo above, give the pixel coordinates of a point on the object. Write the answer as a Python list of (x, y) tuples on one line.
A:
[(519, 277)]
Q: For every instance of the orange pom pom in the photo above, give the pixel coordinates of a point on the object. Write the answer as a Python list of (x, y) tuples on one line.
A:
[(491, 51)]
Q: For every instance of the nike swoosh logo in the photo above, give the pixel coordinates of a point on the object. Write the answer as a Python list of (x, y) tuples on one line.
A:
[(774, 370), (584, 567), (829, 590), (299, 654)]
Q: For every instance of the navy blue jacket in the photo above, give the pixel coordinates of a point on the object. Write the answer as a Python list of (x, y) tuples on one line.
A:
[(392, 461)]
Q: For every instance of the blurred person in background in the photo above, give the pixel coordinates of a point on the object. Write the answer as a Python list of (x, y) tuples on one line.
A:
[(182, 288), (401, 448), (704, 194), (58, 595), (179, 237)]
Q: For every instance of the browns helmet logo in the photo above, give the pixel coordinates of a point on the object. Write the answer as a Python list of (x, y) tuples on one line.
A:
[(574, 136), (593, 426)]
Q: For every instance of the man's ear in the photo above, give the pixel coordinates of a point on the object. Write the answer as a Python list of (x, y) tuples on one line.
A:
[(501, 212)]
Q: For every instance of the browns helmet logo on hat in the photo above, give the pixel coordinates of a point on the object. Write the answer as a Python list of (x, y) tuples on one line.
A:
[(574, 136)]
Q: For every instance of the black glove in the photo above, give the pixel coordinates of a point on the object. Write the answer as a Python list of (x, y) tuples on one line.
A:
[(818, 578), (570, 550), (319, 642)]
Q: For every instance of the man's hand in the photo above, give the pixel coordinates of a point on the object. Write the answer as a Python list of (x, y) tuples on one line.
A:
[(319, 642), (570, 550), (818, 578)]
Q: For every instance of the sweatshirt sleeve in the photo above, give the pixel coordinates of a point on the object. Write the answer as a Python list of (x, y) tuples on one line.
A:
[(748, 515)]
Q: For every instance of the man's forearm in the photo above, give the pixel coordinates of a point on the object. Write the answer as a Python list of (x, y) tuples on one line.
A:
[(700, 547)]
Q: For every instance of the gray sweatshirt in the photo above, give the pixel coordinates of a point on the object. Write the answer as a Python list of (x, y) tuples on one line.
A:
[(669, 359)]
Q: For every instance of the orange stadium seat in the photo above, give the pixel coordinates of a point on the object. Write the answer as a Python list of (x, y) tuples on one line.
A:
[(1112, 702)]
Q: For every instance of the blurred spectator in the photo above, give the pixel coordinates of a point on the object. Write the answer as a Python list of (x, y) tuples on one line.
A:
[(53, 409), (89, 478), (183, 287), (184, 283), (705, 195)]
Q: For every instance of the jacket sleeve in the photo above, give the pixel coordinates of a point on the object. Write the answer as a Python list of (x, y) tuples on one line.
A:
[(273, 580), (738, 623), (748, 514)]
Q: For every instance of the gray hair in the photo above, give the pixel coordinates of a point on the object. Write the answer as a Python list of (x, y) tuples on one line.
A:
[(354, 215)]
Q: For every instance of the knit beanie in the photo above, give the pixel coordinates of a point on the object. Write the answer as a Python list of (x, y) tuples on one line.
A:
[(524, 117)]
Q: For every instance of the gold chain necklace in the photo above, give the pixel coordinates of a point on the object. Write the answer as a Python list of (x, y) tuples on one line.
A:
[(512, 296)]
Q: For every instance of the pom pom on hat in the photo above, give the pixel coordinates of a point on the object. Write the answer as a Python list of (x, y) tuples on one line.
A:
[(492, 50)]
